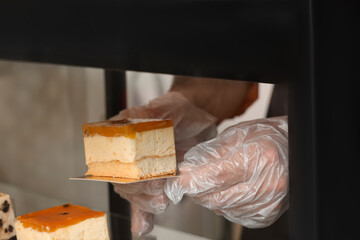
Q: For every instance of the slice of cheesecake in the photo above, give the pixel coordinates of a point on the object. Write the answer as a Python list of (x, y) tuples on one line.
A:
[(65, 222), (7, 218), (130, 148)]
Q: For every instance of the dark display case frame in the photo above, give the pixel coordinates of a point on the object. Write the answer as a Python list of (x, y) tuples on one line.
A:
[(308, 45)]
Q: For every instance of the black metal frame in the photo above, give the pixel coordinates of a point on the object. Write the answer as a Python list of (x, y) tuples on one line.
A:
[(308, 44), (235, 39), (115, 92)]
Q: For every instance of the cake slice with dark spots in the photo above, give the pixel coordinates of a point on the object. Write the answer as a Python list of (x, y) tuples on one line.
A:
[(7, 218)]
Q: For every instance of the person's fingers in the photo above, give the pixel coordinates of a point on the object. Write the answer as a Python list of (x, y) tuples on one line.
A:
[(131, 188), (270, 182), (249, 205), (135, 112), (153, 187), (141, 222), (186, 116), (152, 204), (147, 196), (254, 215), (233, 196), (209, 177), (209, 168), (257, 194)]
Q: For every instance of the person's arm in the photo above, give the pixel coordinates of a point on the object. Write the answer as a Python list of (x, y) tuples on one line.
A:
[(195, 105), (221, 98)]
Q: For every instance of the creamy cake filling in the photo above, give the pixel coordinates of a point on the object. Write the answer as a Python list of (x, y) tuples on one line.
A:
[(158, 142)]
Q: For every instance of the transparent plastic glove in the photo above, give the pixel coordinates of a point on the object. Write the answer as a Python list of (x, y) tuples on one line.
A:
[(242, 174), (191, 126), (147, 199)]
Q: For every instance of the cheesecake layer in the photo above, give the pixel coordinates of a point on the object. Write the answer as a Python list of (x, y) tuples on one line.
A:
[(66, 222), (152, 143), (7, 217)]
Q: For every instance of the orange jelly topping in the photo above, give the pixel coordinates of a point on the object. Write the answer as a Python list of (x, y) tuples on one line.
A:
[(51, 219), (125, 127)]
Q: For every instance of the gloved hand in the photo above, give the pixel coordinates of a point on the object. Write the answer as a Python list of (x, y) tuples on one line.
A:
[(242, 174), (146, 198), (191, 125)]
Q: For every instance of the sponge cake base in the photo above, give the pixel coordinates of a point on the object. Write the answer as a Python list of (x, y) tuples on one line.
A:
[(144, 168)]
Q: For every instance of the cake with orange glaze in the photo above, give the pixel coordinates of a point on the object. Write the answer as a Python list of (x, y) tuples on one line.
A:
[(130, 148), (65, 222)]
